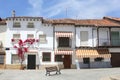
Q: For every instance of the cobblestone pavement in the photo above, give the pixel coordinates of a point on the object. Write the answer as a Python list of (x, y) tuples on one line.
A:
[(67, 74)]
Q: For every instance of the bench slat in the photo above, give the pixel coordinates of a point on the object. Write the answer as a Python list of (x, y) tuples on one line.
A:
[(52, 69)]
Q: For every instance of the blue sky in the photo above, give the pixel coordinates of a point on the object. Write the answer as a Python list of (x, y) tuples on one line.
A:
[(78, 9)]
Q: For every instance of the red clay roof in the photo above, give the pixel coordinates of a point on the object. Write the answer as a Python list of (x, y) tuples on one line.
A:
[(2, 22), (25, 17), (112, 18), (85, 22)]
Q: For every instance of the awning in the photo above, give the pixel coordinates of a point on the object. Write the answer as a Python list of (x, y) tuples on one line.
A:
[(2, 52), (63, 34), (82, 53), (63, 52)]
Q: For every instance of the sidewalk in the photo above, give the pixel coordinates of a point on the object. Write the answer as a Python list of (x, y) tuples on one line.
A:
[(67, 74)]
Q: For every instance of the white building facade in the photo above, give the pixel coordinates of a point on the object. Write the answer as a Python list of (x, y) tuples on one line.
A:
[(67, 43), (41, 53)]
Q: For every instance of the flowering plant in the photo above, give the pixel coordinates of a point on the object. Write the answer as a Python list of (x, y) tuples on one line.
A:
[(23, 46)]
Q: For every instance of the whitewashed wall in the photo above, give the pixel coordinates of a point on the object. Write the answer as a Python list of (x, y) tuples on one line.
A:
[(3, 29), (23, 31), (89, 29), (65, 28)]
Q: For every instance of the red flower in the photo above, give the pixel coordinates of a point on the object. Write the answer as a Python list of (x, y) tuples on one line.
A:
[(15, 46), (12, 40), (33, 40), (26, 49), (20, 42), (37, 40)]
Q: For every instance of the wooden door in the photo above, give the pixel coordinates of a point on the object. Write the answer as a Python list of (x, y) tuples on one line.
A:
[(67, 61), (115, 59), (31, 62)]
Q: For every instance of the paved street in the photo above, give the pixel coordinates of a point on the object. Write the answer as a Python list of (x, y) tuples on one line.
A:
[(67, 74)]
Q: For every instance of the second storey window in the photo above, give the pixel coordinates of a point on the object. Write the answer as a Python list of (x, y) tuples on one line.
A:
[(16, 25), (84, 38), (30, 25), (16, 37), (63, 42), (30, 36), (115, 38), (42, 38)]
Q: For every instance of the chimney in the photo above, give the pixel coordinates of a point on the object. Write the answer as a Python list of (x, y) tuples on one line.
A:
[(13, 13)]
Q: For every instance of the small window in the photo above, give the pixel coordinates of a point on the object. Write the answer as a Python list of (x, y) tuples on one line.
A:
[(98, 59), (86, 60), (15, 59), (84, 38), (64, 42), (30, 36), (16, 37), (58, 58), (2, 59), (42, 38), (46, 56), (30, 25), (16, 25)]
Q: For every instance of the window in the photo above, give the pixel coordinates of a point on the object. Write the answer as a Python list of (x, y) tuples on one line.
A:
[(42, 38), (58, 58), (64, 42), (16, 37), (15, 59), (30, 25), (84, 38), (46, 56), (30, 36), (2, 59), (86, 60), (98, 59), (115, 38), (16, 25)]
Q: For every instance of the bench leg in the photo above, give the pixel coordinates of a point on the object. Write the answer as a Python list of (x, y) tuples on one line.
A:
[(47, 73)]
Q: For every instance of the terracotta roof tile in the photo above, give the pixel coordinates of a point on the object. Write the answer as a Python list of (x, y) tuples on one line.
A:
[(85, 22), (2, 22), (25, 17)]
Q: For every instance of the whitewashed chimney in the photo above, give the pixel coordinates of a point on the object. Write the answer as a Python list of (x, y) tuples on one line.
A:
[(13, 13)]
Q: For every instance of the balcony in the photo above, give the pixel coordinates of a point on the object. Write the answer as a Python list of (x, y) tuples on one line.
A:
[(115, 42), (108, 43)]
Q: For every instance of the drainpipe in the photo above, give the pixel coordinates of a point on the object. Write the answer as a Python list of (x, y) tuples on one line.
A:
[(92, 38), (110, 36), (97, 37), (53, 37), (76, 59)]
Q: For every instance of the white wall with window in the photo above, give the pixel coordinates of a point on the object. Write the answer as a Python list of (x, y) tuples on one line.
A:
[(84, 36), (65, 28), (104, 39), (95, 62), (15, 59), (29, 28)]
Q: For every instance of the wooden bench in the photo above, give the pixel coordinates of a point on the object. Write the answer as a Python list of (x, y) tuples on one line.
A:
[(52, 69)]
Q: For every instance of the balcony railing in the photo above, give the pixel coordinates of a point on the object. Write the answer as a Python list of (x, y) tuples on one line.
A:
[(106, 42), (115, 42)]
